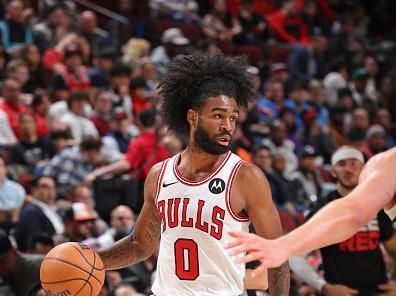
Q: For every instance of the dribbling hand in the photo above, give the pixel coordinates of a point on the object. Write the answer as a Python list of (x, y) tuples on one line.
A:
[(271, 253)]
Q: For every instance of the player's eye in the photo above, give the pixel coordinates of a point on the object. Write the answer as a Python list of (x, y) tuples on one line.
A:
[(217, 116)]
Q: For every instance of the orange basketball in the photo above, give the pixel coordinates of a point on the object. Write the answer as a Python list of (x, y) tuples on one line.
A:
[(72, 269)]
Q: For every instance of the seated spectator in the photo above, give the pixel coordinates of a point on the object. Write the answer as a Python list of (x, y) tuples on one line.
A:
[(308, 175), (71, 165), (21, 272), (7, 136), (75, 119), (99, 74), (11, 106), (74, 74), (18, 69), (14, 32), (120, 77), (93, 35), (317, 98), (102, 111), (122, 220), (134, 50), (359, 125), (142, 153), (172, 41), (54, 27), (40, 216), (40, 107), (140, 96), (116, 142), (185, 10), (262, 157), (278, 143), (335, 80), (40, 243), (273, 102), (375, 141), (32, 151), (79, 221), (12, 197)]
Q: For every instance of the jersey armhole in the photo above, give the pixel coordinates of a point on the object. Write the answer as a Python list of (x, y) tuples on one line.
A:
[(159, 180), (230, 183)]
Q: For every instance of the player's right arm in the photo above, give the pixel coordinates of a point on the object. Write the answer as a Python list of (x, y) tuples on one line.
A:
[(141, 243)]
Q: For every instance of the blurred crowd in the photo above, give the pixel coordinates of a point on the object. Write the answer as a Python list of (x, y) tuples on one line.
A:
[(80, 121)]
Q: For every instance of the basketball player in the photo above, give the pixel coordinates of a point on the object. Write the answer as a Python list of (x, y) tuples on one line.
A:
[(376, 190), (195, 198)]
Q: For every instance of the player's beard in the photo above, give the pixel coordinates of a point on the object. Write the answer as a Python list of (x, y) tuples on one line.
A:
[(204, 142)]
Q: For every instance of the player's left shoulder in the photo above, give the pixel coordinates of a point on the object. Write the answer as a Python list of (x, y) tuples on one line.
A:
[(249, 172)]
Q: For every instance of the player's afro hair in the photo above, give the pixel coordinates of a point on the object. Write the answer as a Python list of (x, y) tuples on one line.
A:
[(191, 79)]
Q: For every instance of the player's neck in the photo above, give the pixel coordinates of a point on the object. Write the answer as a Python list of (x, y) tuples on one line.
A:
[(200, 161)]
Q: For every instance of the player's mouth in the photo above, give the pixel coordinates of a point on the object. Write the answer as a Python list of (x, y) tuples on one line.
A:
[(223, 140)]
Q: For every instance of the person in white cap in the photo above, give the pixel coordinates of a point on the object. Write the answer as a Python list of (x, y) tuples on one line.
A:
[(376, 191), (344, 270), (172, 41)]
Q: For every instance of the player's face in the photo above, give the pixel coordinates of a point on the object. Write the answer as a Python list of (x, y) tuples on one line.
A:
[(216, 124), (347, 172)]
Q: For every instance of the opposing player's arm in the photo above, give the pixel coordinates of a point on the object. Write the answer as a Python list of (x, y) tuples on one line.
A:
[(254, 188), (146, 233)]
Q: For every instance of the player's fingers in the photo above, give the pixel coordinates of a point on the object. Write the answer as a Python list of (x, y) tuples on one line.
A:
[(248, 258), (259, 270)]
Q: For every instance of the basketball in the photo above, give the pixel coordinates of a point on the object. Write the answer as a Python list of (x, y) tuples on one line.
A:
[(72, 269)]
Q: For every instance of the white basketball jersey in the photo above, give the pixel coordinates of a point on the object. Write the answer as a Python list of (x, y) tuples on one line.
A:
[(196, 218)]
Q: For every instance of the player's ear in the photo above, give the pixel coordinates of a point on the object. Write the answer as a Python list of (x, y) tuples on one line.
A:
[(333, 174), (192, 118)]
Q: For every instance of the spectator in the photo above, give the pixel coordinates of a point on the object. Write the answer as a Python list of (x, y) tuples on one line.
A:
[(175, 9), (122, 220), (7, 136), (359, 125), (121, 133), (375, 141), (21, 272), (306, 63), (262, 157), (173, 41), (308, 175), (270, 106), (88, 26), (40, 216), (18, 69), (79, 221), (71, 165), (335, 80), (75, 119), (14, 32), (317, 97), (278, 143), (54, 27), (102, 111), (40, 243), (32, 151), (40, 106), (371, 67), (103, 63), (11, 106), (142, 153), (120, 82), (12, 197), (140, 96), (73, 75), (314, 135)]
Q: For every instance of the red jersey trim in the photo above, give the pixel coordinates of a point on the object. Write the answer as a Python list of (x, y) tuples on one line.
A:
[(190, 182), (230, 183), (159, 180)]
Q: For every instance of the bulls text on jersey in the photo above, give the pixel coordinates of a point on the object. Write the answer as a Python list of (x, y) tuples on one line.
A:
[(173, 213)]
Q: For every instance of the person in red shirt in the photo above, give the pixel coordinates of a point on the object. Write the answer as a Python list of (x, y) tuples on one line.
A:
[(11, 106), (143, 152), (140, 96), (40, 106)]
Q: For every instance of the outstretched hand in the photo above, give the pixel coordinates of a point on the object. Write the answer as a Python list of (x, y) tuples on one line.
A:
[(271, 253)]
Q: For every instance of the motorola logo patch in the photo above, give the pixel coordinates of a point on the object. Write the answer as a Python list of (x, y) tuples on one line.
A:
[(216, 186)]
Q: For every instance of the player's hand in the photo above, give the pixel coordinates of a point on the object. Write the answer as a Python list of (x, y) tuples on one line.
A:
[(271, 253), (338, 290), (388, 289)]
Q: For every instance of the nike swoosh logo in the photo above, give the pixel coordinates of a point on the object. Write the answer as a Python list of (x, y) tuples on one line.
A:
[(166, 185)]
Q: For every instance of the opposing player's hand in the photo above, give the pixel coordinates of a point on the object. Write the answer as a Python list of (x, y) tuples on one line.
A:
[(338, 290), (271, 253), (388, 289)]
